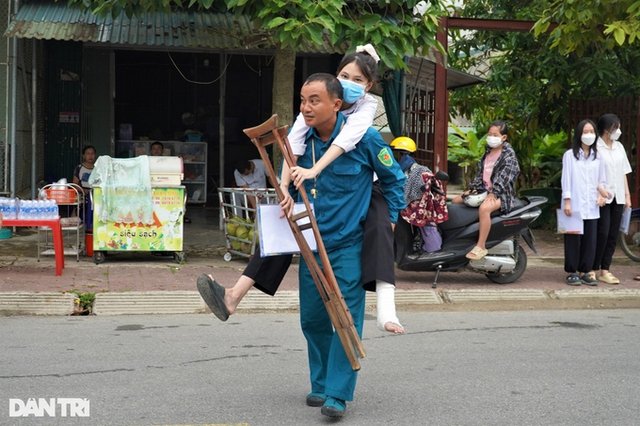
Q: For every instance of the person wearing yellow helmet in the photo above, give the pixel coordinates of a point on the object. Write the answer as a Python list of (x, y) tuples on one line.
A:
[(404, 146), (404, 143)]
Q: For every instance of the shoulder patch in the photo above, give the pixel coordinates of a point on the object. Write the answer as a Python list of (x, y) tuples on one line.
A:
[(385, 157)]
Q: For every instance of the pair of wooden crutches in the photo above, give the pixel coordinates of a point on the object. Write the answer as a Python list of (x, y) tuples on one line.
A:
[(263, 136)]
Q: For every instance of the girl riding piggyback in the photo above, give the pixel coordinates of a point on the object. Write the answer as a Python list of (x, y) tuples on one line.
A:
[(358, 72)]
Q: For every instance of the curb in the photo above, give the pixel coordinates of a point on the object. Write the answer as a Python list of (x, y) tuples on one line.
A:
[(190, 302), (149, 302), (26, 303)]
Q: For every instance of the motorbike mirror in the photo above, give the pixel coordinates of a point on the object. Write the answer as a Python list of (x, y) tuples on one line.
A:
[(442, 176)]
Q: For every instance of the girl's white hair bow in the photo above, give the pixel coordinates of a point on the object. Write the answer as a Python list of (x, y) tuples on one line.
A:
[(368, 48)]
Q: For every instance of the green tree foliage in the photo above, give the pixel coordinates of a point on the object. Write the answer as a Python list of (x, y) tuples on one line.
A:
[(529, 83), (607, 23), (389, 25)]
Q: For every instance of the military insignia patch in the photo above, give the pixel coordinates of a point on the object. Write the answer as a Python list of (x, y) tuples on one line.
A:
[(385, 157)]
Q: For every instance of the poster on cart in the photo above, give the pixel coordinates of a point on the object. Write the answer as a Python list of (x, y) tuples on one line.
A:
[(164, 234)]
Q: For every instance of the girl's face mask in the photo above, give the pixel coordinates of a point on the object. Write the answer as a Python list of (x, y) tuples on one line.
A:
[(494, 141), (615, 135), (351, 91)]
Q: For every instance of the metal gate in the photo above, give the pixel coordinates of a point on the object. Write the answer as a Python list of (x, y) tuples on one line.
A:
[(420, 123)]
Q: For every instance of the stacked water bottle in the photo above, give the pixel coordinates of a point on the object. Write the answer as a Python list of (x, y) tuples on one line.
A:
[(28, 209), (9, 208)]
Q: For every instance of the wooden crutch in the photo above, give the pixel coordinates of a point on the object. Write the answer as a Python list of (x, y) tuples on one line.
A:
[(262, 136)]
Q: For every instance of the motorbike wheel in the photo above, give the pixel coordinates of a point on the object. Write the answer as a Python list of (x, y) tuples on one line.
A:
[(521, 265), (630, 243)]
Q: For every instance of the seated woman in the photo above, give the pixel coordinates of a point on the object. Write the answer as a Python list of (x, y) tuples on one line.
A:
[(497, 172), (81, 177)]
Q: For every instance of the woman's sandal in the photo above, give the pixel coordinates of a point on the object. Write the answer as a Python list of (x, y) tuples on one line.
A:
[(608, 278), (477, 253), (637, 278)]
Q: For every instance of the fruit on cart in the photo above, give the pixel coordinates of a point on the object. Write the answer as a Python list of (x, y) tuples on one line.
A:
[(232, 228), (251, 233), (236, 245), (242, 232), (246, 248)]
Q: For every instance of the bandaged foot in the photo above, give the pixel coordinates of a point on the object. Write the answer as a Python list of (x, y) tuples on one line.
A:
[(387, 319)]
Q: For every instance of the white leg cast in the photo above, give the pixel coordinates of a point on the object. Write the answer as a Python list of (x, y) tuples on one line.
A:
[(385, 296)]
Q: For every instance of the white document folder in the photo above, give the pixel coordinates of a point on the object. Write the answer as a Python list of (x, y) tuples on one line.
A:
[(570, 224), (626, 220), (276, 236)]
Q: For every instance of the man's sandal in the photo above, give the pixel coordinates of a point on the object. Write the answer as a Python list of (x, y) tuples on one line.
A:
[(477, 253)]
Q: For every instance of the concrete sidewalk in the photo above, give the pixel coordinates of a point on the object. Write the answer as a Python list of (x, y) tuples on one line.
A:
[(141, 283)]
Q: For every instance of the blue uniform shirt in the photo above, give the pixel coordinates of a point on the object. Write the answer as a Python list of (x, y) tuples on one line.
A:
[(344, 187)]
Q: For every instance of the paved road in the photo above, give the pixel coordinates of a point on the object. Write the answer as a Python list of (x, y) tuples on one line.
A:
[(453, 368)]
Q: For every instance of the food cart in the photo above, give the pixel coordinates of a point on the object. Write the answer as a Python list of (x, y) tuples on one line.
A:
[(122, 223), (237, 218)]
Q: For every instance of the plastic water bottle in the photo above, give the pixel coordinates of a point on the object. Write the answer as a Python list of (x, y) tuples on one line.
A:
[(56, 211), (37, 209), (49, 213), (31, 210), (45, 210), (12, 212), (22, 210), (25, 208), (41, 210)]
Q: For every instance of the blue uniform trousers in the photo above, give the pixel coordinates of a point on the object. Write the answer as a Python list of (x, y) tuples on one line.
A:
[(330, 370)]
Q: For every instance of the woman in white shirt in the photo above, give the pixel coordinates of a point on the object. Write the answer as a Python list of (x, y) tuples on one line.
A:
[(616, 164), (583, 191)]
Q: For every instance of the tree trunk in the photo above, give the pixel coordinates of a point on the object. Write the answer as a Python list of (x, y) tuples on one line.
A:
[(283, 96)]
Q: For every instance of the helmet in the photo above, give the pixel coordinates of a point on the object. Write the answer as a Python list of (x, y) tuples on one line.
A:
[(474, 200), (404, 143)]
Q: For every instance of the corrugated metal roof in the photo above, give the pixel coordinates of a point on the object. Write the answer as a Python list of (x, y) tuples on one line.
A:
[(42, 19), (55, 21), (422, 71)]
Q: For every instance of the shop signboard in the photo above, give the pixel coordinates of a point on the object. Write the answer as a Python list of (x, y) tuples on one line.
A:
[(164, 234)]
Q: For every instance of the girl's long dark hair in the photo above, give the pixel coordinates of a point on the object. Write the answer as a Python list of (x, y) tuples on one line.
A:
[(576, 145), (607, 122), (368, 66)]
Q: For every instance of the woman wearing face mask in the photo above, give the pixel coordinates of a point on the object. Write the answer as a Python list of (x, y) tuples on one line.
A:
[(583, 191), (617, 167), (497, 172)]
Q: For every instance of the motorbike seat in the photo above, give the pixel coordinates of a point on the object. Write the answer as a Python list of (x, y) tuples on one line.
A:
[(461, 215)]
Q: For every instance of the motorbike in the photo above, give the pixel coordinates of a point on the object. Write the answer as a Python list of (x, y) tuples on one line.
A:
[(630, 241), (506, 260)]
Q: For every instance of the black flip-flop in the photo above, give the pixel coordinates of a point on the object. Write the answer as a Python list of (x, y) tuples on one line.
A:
[(213, 295), (187, 220), (637, 278)]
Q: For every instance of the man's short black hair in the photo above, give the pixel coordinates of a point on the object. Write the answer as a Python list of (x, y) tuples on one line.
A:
[(331, 82), (157, 143), (242, 166)]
